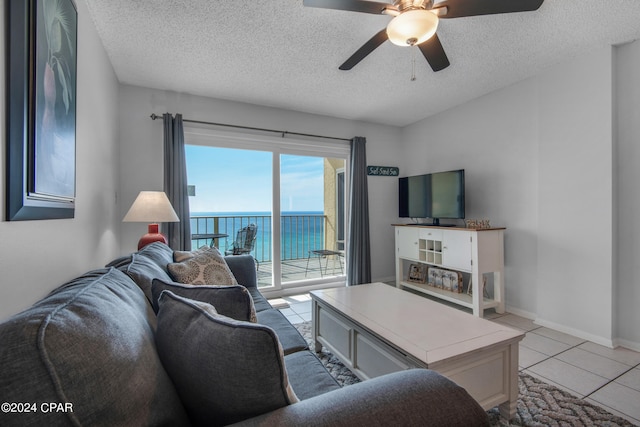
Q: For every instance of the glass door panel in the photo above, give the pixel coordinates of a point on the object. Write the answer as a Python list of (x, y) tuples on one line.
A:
[(231, 189), (312, 218)]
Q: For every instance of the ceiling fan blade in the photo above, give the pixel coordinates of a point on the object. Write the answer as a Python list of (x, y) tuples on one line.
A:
[(365, 50), (461, 8), (434, 53), (351, 5)]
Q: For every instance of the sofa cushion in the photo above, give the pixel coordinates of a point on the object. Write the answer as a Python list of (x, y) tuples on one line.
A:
[(89, 343), (224, 370), (244, 269), (205, 266), (230, 301), (159, 253), (143, 269), (259, 301), (308, 376), (288, 335)]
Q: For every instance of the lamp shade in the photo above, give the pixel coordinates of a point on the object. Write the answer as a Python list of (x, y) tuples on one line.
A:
[(151, 206), (412, 27)]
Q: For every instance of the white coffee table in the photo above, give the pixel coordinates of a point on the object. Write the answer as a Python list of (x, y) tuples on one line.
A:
[(376, 329)]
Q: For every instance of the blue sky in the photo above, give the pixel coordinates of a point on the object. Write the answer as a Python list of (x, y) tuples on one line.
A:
[(231, 180)]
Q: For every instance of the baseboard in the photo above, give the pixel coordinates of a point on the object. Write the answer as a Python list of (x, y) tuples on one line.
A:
[(575, 332), (521, 313), (631, 345), (567, 330), (385, 279), (617, 342)]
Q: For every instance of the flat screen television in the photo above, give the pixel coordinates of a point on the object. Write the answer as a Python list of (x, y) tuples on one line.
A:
[(435, 195)]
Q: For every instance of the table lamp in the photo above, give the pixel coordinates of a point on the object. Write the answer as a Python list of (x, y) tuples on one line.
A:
[(152, 207)]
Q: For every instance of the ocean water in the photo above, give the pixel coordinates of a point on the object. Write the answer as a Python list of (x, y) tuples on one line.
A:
[(300, 231)]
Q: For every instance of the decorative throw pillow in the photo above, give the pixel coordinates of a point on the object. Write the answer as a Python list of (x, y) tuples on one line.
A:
[(205, 266), (231, 301), (225, 370)]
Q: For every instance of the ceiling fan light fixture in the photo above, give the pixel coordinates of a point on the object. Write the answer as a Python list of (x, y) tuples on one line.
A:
[(412, 27)]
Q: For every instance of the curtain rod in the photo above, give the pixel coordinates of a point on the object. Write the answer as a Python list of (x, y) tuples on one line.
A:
[(154, 116)]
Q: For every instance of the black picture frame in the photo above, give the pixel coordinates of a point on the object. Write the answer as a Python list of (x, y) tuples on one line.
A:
[(41, 58)]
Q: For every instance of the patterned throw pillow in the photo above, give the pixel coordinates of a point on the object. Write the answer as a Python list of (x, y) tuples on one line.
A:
[(205, 266), (225, 370)]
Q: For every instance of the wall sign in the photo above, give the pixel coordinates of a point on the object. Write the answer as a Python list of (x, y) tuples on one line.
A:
[(383, 171)]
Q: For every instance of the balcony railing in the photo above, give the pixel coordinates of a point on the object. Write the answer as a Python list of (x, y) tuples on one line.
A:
[(299, 233)]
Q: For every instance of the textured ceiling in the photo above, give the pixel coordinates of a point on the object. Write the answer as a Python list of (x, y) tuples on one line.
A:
[(278, 53)]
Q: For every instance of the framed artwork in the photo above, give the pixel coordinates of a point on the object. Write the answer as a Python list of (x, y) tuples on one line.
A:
[(41, 109), (417, 273), (445, 279)]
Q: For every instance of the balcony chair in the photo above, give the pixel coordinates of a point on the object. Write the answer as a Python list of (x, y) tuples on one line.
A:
[(245, 241)]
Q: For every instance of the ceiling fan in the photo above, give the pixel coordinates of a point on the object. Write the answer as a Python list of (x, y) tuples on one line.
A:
[(415, 22)]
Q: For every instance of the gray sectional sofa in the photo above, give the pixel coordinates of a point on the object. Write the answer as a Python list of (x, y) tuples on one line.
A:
[(125, 346)]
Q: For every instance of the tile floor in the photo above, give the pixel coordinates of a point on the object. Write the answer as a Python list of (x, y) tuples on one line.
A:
[(606, 377)]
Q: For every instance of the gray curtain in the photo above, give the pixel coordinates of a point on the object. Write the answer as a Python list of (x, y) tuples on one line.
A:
[(175, 183), (359, 246)]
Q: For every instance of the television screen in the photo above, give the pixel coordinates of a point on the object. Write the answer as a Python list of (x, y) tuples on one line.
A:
[(436, 195)]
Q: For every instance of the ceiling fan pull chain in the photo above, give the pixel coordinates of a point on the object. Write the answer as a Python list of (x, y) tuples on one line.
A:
[(413, 63)]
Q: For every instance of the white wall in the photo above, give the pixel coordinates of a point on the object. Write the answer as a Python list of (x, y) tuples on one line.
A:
[(37, 256), (493, 139), (141, 153), (539, 160), (575, 209), (626, 161)]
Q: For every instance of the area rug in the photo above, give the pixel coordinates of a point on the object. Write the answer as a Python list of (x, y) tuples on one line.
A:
[(539, 404)]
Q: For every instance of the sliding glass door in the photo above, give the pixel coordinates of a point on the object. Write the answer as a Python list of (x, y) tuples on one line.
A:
[(293, 192)]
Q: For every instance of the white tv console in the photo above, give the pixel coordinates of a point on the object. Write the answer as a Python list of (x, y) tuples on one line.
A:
[(477, 252)]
